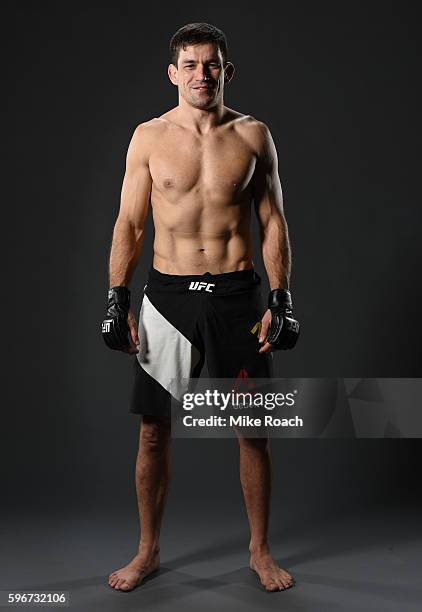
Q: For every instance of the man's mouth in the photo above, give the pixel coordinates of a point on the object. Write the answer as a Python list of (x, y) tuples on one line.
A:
[(203, 87)]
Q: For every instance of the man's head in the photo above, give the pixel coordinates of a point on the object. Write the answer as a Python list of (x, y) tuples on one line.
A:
[(199, 66)]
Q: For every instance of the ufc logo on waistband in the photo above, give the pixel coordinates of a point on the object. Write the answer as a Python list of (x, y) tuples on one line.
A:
[(198, 286)]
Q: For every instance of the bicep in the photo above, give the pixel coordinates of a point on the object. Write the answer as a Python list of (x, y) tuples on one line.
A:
[(267, 191), (136, 187)]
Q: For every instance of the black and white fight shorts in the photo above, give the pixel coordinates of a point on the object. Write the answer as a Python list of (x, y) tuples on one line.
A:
[(185, 320)]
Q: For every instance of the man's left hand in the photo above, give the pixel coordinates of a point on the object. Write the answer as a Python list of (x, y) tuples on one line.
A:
[(265, 326)]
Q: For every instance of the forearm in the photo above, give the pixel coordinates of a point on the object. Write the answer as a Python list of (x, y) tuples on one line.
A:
[(276, 252), (125, 251)]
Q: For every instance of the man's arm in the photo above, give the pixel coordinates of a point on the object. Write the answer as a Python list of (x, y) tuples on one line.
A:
[(268, 202), (128, 231), (119, 329), (276, 252)]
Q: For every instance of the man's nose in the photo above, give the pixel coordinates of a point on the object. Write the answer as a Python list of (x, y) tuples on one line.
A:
[(202, 72)]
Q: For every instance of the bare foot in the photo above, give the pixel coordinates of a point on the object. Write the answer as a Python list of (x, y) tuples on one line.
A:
[(272, 577), (130, 576)]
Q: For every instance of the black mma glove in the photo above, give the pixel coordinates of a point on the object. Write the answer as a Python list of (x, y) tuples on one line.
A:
[(284, 330), (115, 327)]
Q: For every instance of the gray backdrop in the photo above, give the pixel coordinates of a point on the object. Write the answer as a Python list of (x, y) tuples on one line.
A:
[(337, 84)]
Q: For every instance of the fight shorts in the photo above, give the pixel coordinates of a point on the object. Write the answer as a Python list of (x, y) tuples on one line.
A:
[(187, 319)]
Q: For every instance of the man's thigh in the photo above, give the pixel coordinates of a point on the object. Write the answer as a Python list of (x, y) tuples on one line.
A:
[(232, 338)]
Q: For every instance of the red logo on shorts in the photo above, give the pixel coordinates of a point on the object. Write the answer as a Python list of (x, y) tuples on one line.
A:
[(243, 381)]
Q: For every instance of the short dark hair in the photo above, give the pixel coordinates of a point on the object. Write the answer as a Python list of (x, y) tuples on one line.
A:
[(196, 34)]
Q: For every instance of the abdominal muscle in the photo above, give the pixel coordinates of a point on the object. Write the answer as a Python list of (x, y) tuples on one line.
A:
[(197, 239)]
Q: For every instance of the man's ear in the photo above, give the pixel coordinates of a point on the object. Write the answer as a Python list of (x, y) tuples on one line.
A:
[(228, 72), (172, 74)]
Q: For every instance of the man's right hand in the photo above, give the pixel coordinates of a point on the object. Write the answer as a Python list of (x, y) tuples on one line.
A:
[(119, 326)]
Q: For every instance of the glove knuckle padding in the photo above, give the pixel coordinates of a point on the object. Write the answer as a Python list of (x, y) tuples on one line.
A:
[(122, 330), (276, 327), (284, 329), (115, 329)]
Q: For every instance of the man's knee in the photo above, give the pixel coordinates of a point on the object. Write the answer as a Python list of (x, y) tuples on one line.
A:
[(155, 433)]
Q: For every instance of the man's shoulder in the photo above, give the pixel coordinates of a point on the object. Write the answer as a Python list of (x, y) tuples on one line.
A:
[(255, 131), (150, 127), (248, 121), (145, 135)]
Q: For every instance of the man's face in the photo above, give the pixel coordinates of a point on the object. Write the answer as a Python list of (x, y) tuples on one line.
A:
[(199, 75)]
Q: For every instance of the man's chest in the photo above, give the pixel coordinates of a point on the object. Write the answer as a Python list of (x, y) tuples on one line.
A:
[(221, 164)]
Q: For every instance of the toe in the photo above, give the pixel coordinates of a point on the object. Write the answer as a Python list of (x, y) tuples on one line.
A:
[(286, 579), (271, 586), (125, 586)]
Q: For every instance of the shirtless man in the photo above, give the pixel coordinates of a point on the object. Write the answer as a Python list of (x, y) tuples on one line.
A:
[(200, 165)]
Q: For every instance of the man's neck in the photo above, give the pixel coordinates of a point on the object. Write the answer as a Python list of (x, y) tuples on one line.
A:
[(200, 120)]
